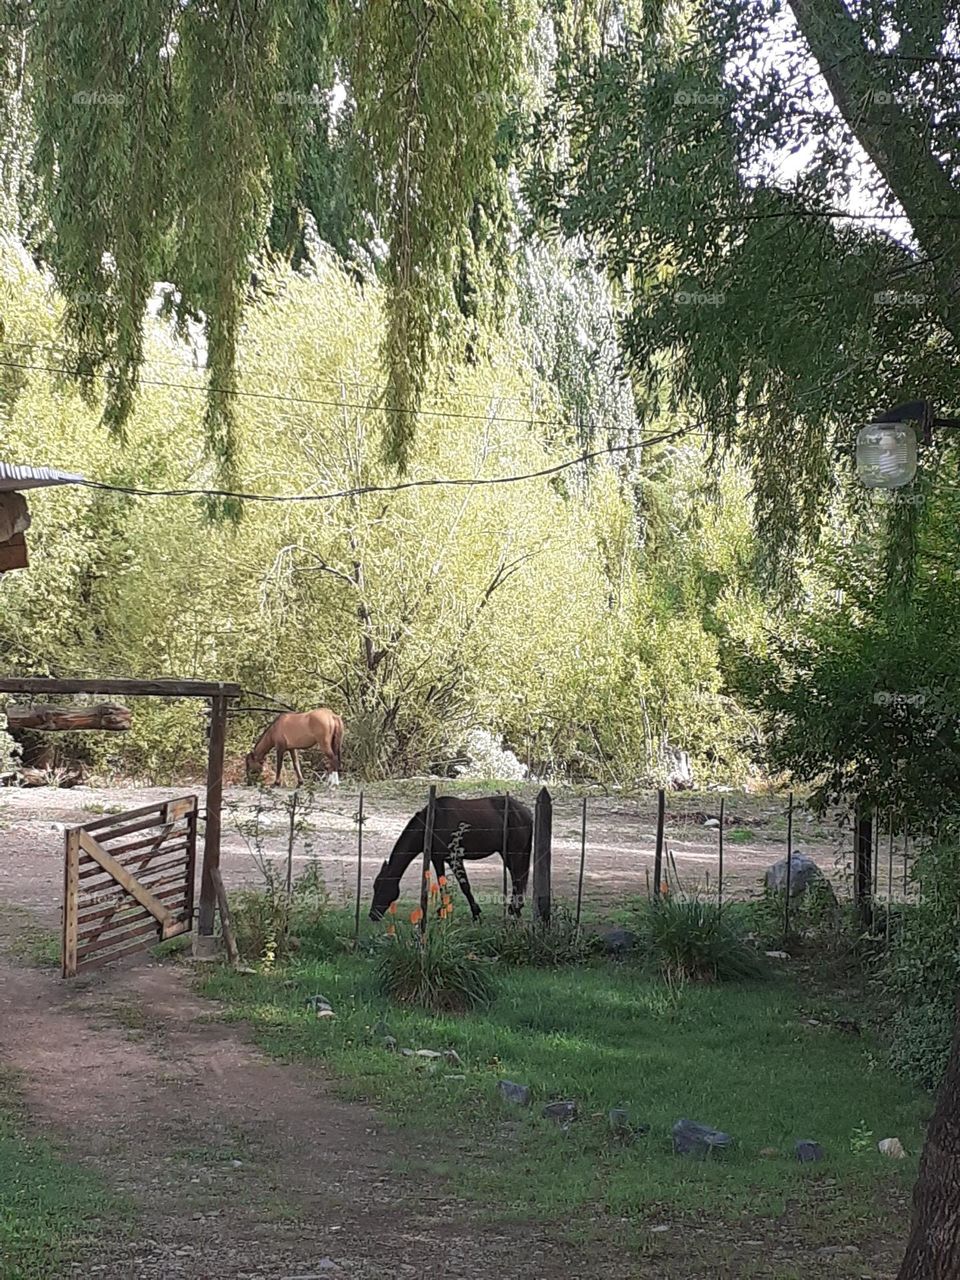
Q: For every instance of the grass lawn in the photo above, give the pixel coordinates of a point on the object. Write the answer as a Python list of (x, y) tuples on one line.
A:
[(742, 1058), (49, 1211)]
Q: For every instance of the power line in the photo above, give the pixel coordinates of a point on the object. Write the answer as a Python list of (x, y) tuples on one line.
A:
[(287, 399), (363, 490)]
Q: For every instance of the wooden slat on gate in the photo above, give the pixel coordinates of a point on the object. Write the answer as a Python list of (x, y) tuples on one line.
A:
[(128, 882)]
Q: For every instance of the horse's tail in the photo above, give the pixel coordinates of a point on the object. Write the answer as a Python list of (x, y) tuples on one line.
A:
[(336, 739)]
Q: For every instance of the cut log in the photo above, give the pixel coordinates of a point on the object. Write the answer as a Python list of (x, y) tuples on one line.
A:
[(108, 716)]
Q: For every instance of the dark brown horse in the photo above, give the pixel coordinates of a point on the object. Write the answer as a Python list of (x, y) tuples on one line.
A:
[(463, 830), (298, 731)]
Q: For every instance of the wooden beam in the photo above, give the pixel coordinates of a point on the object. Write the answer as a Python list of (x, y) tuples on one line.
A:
[(542, 851), (124, 877), (14, 516), (108, 716), (233, 954), (42, 686), (13, 553), (211, 838)]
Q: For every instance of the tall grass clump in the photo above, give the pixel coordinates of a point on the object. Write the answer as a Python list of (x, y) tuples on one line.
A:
[(438, 969), (536, 943), (691, 941)]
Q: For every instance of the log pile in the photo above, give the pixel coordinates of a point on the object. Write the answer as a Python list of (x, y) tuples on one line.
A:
[(108, 716)]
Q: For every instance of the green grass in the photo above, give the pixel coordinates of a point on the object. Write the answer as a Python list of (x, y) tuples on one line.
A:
[(50, 1211), (739, 1057)]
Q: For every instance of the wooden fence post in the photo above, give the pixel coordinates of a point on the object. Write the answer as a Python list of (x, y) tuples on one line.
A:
[(720, 870), (211, 837), (583, 857), (862, 868), (658, 856), (542, 848), (504, 846), (427, 850), (356, 921)]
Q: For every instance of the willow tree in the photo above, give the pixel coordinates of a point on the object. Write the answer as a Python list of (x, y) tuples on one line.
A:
[(168, 133), (778, 235)]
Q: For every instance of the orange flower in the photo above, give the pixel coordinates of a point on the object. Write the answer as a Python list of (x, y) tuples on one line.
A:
[(442, 881), (447, 900), (434, 889), (665, 889), (426, 876), (392, 909), (391, 930), (416, 916)]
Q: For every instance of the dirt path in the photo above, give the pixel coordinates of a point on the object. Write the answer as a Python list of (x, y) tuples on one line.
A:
[(239, 1168)]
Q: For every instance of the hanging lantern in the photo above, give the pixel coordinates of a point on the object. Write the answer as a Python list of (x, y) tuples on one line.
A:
[(887, 454)]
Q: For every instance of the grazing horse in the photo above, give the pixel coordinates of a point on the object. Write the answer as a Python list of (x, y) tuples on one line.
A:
[(298, 731), (463, 829)]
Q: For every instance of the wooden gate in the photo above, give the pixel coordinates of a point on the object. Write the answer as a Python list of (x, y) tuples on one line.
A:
[(128, 883)]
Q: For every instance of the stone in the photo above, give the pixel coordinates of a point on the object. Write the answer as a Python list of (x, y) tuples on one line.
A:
[(777, 955), (453, 1058), (520, 1094), (892, 1148), (408, 1053), (807, 1151), (698, 1140), (428, 1053), (390, 1044), (324, 1011), (616, 939), (561, 1112), (803, 873), (712, 822)]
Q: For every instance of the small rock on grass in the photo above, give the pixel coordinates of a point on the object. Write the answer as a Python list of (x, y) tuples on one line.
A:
[(390, 1044), (807, 1151), (520, 1094), (893, 1148), (769, 1153), (453, 1058), (561, 1112), (698, 1140)]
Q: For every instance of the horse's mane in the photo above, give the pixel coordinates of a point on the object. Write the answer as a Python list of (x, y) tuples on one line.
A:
[(253, 749)]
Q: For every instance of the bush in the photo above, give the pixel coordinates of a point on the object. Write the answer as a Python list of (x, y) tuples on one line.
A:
[(689, 939), (438, 970), (922, 972), (544, 946), (815, 916), (269, 924)]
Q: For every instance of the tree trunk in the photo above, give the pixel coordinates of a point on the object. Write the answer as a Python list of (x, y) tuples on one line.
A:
[(933, 1252), (66, 719)]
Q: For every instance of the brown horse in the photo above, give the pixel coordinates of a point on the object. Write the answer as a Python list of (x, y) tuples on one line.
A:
[(295, 731)]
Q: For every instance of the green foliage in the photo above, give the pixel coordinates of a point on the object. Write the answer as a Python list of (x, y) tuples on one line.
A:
[(269, 924), (439, 970), (691, 941), (921, 975), (521, 942), (816, 917), (404, 606)]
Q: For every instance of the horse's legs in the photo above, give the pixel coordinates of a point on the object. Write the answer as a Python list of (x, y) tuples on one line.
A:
[(296, 766), (464, 883), (519, 873), (280, 754), (333, 777)]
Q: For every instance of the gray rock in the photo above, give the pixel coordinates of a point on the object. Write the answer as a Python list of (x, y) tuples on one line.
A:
[(520, 1094), (561, 1112), (807, 1151), (453, 1057), (390, 1044), (317, 1002), (698, 1140), (617, 939), (803, 873)]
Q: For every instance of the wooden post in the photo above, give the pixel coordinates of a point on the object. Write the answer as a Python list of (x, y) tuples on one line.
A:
[(720, 871), (542, 849), (71, 883), (356, 921), (504, 846), (583, 857), (290, 840), (226, 925), (427, 850), (889, 877), (862, 867), (658, 856), (786, 896), (211, 838)]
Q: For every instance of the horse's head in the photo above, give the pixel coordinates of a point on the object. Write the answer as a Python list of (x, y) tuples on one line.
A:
[(254, 770), (386, 890)]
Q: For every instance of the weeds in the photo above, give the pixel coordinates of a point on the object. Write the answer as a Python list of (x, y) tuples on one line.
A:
[(691, 941)]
